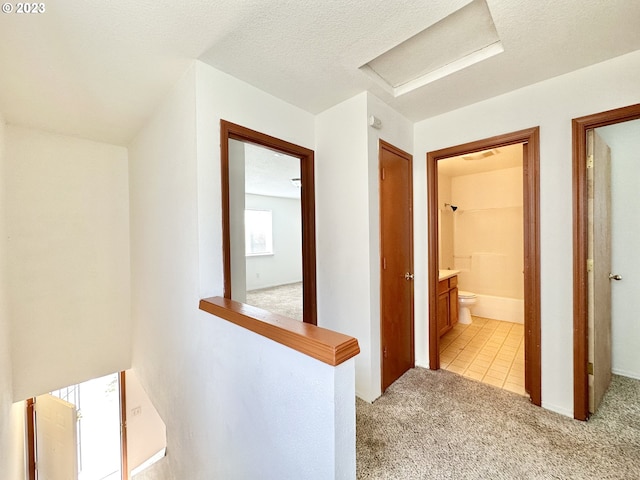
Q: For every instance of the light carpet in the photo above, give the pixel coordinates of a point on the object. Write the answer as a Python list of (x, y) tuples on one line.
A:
[(436, 424), (283, 299)]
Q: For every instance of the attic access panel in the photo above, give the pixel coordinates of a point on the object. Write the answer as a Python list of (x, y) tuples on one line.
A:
[(464, 38)]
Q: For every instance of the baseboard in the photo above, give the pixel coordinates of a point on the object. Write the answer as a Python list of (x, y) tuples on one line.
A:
[(624, 373), (366, 398), (153, 459), (561, 410)]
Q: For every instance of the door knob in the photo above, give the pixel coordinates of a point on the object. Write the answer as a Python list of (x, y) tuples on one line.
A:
[(408, 276), (615, 277)]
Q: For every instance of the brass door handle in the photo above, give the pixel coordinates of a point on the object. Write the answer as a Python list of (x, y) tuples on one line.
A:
[(615, 277)]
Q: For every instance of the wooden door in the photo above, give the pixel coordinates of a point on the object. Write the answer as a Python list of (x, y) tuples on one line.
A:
[(599, 250), (56, 439), (396, 269)]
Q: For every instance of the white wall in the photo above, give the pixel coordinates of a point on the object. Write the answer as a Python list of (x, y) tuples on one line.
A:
[(258, 406), (15, 467), (348, 225), (277, 403), (342, 230), (11, 414), (398, 131), (221, 96), (164, 267), (146, 432), (6, 397), (551, 105), (625, 238), (488, 234), (445, 223), (285, 265), (68, 259), (237, 199)]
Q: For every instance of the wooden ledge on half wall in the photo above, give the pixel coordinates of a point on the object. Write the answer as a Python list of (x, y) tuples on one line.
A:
[(330, 347)]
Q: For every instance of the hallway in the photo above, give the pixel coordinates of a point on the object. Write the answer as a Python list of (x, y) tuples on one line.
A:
[(434, 424)]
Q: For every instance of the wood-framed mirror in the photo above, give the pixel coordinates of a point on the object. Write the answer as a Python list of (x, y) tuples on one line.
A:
[(268, 222)]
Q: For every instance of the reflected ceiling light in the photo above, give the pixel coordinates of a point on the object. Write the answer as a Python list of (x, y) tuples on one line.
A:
[(481, 155)]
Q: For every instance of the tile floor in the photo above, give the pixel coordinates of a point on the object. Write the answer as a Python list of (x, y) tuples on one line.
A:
[(490, 351)]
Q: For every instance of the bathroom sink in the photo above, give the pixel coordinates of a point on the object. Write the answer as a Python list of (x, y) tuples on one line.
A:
[(444, 274)]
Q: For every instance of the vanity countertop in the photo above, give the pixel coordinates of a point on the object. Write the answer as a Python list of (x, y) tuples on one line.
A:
[(444, 274)]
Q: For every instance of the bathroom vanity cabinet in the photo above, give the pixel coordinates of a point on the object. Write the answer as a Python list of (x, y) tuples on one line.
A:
[(447, 304)]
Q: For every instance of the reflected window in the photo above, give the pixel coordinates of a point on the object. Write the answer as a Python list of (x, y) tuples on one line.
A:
[(258, 232)]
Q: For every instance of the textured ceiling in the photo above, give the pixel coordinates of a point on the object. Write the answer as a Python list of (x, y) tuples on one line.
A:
[(97, 69), (269, 173)]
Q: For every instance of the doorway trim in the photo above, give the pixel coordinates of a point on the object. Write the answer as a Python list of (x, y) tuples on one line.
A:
[(579, 127), (124, 458), (530, 138), (31, 425)]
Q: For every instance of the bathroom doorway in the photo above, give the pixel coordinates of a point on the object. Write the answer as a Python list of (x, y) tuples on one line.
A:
[(480, 207), (605, 340), (505, 261)]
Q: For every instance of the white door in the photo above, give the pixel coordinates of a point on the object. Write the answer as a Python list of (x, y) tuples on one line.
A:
[(599, 187), (56, 437)]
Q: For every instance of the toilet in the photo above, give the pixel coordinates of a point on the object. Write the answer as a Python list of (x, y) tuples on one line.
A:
[(465, 301)]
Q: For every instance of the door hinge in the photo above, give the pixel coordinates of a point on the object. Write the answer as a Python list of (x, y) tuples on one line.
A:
[(384, 352), (590, 368), (382, 174), (590, 161), (589, 264), (384, 263)]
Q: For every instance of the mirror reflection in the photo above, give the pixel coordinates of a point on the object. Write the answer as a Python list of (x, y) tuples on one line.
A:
[(265, 229)]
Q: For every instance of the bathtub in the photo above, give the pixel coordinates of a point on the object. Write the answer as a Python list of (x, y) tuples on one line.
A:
[(499, 308)]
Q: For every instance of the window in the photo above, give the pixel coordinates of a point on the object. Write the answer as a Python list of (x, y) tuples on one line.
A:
[(258, 232)]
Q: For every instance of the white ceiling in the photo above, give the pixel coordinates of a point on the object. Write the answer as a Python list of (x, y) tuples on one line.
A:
[(270, 173), (97, 69)]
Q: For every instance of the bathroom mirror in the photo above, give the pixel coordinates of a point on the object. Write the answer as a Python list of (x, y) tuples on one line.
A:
[(268, 223)]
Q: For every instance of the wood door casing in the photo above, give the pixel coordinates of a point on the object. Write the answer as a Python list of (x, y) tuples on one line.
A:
[(530, 138), (580, 126), (124, 456), (396, 261)]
